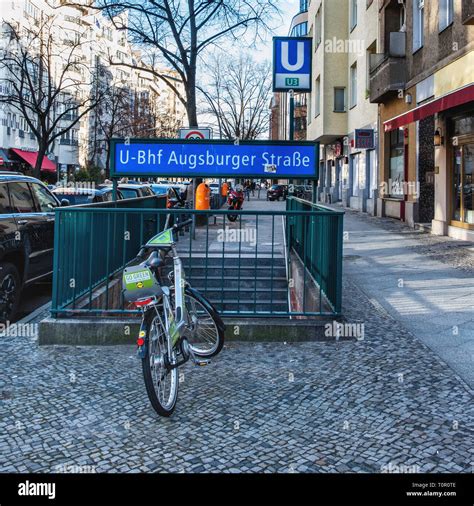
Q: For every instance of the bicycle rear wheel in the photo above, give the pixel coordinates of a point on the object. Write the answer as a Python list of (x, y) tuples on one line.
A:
[(204, 329), (161, 382)]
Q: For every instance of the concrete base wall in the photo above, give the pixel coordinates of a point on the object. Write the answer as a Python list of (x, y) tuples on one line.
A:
[(439, 227), (372, 207), (392, 209), (357, 203), (411, 213), (462, 234), (101, 331)]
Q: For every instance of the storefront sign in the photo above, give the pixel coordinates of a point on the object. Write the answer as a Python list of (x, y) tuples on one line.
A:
[(217, 159), (364, 139)]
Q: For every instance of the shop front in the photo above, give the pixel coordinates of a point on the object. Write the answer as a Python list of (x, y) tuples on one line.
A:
[(447, 142)]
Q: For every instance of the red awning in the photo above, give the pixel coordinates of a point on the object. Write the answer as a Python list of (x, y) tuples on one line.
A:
[(30, 157), (458, 97)]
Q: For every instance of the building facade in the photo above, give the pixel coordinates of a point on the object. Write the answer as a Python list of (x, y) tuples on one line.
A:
[(132, 102), (340, 115), (423, 80)]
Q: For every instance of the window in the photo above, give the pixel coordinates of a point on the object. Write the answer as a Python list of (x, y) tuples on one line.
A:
[(418, 24), (4, 200), (446, 13), (397, 163), (317, 29), (21, 198), (371, 50), (46, 202), (354, 85), (317, 97), (353, 14), (339, 100), (303, 5), (300, 30)]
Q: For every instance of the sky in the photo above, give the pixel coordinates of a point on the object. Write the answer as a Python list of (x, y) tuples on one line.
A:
[(279, 26)]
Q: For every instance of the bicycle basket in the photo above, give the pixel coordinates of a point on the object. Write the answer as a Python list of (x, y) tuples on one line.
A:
[(138, 282)]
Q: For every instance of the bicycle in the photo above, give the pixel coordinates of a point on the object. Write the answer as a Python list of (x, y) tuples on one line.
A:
[(178, 322)]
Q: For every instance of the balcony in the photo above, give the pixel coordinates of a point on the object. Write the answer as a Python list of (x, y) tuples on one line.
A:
[(388, 71), (467, 12)]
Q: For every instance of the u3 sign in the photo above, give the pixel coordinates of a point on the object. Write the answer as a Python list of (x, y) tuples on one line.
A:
[(292, 63)]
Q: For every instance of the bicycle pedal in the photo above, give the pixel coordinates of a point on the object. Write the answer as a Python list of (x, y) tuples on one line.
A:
[(201, 362)]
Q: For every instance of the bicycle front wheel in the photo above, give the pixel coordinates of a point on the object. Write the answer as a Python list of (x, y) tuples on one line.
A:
[(161, 382), (204, 329)]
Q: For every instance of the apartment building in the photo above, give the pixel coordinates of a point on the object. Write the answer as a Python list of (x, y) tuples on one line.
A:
[(423, 80), (95, 42), (340, 115)]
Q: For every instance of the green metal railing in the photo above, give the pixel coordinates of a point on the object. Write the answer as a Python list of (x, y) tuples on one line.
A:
[(242, 267), (318, 242)]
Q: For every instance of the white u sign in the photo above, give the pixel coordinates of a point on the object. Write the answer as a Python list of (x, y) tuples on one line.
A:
[(292, 67)]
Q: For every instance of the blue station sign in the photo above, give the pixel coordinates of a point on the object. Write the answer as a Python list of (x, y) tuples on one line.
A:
[(214, 158), (292, 57)]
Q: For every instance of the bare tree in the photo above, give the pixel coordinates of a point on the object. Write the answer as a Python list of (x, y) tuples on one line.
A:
[(237, 97), (177, 32), (44, 91)]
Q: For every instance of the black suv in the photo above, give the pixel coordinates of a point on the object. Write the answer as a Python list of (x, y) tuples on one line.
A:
[(276, 192), (26, 236)]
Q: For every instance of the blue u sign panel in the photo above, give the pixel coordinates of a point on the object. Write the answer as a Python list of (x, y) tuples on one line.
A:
[(216, 159), (292, 63)]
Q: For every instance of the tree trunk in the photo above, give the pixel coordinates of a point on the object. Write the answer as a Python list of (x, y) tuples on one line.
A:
[(191, 106), (39, 161), (107, 161)]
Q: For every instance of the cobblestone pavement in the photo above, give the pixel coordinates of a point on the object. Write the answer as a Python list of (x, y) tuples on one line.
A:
[(384, 403)]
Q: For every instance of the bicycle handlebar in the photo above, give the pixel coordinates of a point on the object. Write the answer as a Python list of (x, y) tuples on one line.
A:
[(183, 224)]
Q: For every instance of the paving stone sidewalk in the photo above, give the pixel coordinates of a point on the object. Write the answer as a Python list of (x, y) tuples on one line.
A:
[(384, 403)]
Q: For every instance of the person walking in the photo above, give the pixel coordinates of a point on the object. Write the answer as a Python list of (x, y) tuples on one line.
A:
[(247, 190)]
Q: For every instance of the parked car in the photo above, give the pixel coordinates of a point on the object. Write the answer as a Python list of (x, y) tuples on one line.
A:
[(26, 237), (276, 192), (164, 189), (133, 191), (77, 196)]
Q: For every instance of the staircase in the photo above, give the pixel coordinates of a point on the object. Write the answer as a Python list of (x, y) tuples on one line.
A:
[(240, 284)]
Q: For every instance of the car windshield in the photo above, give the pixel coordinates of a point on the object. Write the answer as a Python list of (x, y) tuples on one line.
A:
[(276, 187), (129, 193), (159, 190), (76, 199)]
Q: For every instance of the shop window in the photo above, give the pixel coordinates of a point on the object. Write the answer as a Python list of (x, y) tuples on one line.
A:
[(463, 179), (397, 163)]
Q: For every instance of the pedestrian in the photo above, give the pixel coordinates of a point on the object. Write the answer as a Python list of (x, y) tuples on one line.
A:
[(247, 190)]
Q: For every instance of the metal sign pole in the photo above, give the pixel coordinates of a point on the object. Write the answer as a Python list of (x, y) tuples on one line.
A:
[(292, 114), (114, 189), (292, 119)]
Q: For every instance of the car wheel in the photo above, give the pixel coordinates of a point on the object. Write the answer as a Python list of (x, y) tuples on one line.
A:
[(10, 289)]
